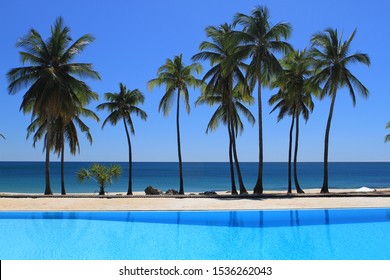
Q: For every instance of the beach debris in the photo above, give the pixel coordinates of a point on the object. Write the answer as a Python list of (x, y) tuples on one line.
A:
[(365, 189), (152, 191), (172, 192)]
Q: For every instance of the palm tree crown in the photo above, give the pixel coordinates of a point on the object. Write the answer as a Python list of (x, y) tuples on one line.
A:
[(121, 106), (176, 77), (51, 76), (331, 59)]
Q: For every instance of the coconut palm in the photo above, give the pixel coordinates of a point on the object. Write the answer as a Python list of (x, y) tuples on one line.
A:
[(294, 98), (52, 79), (221, 115), (387, 137), (101, 174), (63, 130), (121, 106), (176, 77), (331, 58), (225, 75), (262, 40)]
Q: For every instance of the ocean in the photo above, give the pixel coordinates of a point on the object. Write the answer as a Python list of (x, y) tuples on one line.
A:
[(29, 177)]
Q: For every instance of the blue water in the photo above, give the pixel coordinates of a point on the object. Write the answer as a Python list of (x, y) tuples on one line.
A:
[(359, 234), (29, 176)]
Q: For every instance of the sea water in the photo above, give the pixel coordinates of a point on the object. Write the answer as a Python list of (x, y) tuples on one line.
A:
[(29, 177)]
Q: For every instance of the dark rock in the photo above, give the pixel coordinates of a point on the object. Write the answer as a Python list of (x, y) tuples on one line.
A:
[(208, 193), (152, 191), (172, 192)]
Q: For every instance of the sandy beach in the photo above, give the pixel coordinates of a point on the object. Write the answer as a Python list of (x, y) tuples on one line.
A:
[(270, 200)]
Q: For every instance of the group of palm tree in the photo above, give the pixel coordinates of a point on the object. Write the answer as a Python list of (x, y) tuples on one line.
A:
[(242, 56)]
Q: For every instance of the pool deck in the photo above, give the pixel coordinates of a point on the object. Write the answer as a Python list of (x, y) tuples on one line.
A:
[(269, 200)]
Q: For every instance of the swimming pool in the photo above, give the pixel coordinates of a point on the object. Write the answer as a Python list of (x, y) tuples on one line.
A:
[(197, 235)]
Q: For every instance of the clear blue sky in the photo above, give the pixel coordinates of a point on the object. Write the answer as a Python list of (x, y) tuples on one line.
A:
[(134, 38)]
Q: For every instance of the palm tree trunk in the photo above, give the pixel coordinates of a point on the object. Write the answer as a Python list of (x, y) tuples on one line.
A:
[(102, 191), (297, 186), (240, 181), (258, 189), (63, 192), (181, 190), (289, 155), (325, 187), (130, 184), (233, 182), (233, 134), (47, 162)]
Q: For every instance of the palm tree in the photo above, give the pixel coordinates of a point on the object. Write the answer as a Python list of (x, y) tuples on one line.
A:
[(2, 136), (101, 174), (262, 40), (51, 78), (331, 59), (221, 115), (62, 130), (121, 105), (225, 75), (177, 77), (294, 98), (387, 137)]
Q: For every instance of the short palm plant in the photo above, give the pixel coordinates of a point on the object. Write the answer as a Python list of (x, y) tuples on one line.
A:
[(101, 174)]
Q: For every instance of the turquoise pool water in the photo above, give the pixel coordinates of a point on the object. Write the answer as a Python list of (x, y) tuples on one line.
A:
[(246, 235)]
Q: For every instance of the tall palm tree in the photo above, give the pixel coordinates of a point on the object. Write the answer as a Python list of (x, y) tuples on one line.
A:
[(225, 75), (176, 77), (121, 105), (331, 58), (63, 130), (262, 40), (51, 78), (294, 98)]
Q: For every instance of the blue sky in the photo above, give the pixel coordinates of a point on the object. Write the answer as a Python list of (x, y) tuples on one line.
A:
[(134, 38)]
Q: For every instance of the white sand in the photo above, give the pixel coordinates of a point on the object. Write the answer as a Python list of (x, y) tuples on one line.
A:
[(151, 203)]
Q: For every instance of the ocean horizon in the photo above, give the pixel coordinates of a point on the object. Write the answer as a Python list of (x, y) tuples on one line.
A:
[(29, 176)]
